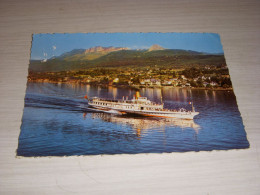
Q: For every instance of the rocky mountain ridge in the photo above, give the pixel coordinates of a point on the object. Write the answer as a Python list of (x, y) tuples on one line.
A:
[(155, 47), (104, 49)]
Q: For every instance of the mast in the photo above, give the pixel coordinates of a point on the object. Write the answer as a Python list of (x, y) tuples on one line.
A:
[(192, 107)]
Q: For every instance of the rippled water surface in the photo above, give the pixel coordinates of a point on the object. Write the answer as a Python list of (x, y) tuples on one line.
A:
[(57, 122)]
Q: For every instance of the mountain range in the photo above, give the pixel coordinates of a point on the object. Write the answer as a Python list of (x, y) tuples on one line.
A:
[(115, 57), (88, 54)]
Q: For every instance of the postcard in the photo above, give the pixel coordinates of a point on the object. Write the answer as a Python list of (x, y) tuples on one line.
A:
[(128, 93)]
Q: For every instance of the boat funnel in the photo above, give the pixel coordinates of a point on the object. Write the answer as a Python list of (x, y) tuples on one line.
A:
[(137, 95)]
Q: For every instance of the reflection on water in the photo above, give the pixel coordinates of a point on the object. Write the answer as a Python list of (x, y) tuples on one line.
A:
[(144, 124), (53, 125)]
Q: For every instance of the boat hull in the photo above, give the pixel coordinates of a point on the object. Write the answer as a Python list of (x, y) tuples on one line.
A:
[(180, 115)]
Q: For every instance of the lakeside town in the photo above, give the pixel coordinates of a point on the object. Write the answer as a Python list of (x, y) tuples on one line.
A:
[(207, 77)]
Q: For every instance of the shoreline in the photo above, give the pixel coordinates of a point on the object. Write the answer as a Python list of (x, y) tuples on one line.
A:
[(134, 87)]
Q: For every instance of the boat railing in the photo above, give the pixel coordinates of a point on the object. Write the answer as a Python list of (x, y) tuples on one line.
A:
[(126, 101)]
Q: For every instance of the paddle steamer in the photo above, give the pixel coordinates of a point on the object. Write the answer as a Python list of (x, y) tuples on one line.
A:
[(139, 106)]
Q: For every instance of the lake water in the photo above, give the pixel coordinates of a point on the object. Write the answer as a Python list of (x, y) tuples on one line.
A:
[(57, 122)]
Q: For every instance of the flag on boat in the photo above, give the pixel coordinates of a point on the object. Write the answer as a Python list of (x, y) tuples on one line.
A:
[(189, 102)]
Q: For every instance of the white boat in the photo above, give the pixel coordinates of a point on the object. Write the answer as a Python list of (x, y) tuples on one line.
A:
[(139, 106)]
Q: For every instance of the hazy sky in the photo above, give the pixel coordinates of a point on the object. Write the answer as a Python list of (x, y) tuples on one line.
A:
[(49, 45)]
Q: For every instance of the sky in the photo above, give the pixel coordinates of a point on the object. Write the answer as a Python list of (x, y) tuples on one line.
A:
[(45, 46)]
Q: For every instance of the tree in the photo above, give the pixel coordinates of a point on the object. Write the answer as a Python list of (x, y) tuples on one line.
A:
[(193, 84), (200, 83), (174, 74), (226, 82), (209, 86), (105, 80), (207, 80), (225, 86), (136, 80)]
